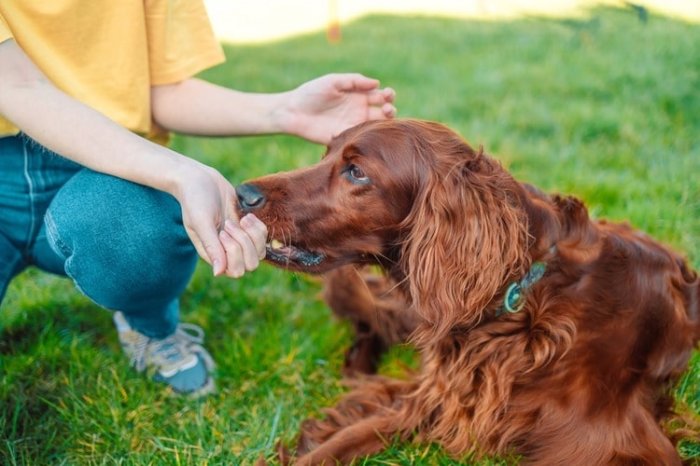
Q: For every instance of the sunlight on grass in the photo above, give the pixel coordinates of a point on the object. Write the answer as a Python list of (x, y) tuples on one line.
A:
[(605, 107)]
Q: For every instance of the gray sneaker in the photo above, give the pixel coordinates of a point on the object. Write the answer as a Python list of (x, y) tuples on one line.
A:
[(178, 360)]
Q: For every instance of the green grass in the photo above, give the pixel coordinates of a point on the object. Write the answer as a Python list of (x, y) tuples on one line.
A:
[(606, 108)]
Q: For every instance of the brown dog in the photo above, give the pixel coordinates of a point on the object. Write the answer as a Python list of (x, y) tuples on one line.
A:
[(541, 332)]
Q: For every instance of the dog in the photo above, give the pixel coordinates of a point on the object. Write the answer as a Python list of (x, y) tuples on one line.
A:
[(542, 333)]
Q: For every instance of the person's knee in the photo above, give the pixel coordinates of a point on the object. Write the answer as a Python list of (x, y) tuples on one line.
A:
[(121, 241)]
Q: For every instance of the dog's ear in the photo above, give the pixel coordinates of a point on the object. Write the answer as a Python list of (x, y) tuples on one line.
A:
[(468, 236)]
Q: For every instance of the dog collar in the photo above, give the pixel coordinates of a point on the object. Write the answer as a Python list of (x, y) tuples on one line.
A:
[(514, 299)]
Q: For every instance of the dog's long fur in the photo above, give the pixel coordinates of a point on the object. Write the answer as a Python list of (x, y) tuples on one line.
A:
[(580, 376)]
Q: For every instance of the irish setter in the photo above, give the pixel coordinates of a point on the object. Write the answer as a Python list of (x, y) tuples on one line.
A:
[(542, 333)]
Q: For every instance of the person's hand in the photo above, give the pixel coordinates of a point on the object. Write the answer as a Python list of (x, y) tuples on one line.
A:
[(324, 107), (208, 204)]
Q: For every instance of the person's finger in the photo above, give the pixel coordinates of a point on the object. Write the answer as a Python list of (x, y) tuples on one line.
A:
[(355, 82), (389, 94), (209, 248), (236, 264), (381, 113), (198, 246), (381, 96), (257, 231), (248, 250), (389, 110)]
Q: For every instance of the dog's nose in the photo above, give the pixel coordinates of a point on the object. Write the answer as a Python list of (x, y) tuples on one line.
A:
[(249, 197)]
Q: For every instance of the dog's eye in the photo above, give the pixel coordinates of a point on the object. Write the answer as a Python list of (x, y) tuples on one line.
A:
[(356, 175)]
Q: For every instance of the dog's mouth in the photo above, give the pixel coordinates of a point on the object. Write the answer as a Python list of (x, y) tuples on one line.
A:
[(287, 254)]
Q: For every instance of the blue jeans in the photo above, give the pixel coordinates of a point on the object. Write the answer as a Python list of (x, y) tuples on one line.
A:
[(122, 244)]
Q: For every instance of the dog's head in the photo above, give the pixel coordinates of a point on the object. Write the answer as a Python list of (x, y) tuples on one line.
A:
[(409, 195)]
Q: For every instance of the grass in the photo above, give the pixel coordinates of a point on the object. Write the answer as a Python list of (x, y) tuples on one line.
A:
[(606, 108)]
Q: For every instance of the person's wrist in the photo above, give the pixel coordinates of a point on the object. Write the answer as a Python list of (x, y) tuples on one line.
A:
[(180, 172), (283, 118)]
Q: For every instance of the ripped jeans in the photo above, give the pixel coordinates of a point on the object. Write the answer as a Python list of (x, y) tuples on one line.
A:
[(122, 244)]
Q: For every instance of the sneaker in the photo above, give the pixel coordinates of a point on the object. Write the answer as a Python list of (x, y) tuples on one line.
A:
[(179, 360)]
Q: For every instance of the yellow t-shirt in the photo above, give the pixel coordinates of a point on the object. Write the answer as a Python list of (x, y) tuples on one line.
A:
[(108, 53)]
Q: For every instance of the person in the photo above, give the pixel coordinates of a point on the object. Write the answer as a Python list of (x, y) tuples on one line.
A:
[(87, 90)]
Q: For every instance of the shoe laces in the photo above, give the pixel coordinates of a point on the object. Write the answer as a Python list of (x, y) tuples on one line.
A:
[(169, 351)]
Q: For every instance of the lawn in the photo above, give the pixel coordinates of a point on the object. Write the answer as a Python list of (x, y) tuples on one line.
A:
[(605, 107)]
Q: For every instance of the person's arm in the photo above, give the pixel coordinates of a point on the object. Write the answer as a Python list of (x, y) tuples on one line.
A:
[(316, 110), (74, 130)]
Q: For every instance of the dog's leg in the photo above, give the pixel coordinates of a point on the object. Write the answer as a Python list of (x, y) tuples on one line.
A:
[(365, 420), (377, 310), (366, 437), (633, 440)]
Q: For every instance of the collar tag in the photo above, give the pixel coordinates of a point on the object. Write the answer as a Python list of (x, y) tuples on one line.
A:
[(514, 299)]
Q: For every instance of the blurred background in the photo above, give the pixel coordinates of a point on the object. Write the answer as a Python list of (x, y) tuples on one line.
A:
[(601, 102), (264, 20)]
